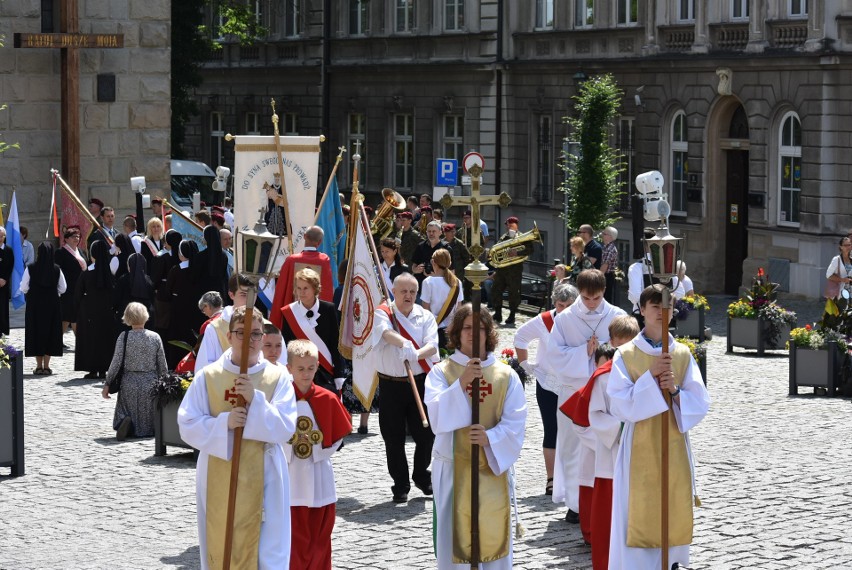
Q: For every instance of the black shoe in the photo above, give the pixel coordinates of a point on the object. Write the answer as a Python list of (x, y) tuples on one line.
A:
[(123, 429), (362, 429), (426, 489), (101, 374), (572, 517), (498, 317), (511, 320), (400, 497), (91, 376)]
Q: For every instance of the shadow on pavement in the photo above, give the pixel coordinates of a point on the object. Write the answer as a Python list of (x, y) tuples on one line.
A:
[(73, 382), (189, 559), (541, 504), (386, 513), (177, 461)]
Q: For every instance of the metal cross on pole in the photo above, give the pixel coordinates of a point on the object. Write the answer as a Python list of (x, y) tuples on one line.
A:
[(475, 272)]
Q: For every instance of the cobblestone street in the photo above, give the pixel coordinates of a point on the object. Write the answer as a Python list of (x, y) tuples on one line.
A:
[(771, 473)]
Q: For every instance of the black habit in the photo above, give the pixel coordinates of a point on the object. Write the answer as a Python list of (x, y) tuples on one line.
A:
[(96, 332), (71, 269), (43, 333), (7, 264)]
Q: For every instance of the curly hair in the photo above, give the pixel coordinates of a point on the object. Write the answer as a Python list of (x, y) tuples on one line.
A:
[(455, 328)]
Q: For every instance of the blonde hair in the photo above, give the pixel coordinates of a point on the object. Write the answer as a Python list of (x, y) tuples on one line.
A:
[(578, 242), (135, 314), (311, 277), (301, 348), (150, 223), (442, 259), (623, 327)]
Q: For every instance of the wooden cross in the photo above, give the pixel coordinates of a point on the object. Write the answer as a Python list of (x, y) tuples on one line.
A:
[(70, 41), (475, 201)]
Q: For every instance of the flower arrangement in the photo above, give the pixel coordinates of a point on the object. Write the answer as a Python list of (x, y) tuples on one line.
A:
[(698, 349), (812, 336), (507, 356), (7, 352), (690, 303), (170, 388), (759, 302)]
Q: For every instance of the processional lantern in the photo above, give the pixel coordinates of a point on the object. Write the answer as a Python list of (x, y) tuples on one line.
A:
[(664, 250), (258, 250)]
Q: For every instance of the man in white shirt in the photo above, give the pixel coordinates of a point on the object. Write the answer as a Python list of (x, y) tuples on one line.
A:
[(130, 231)]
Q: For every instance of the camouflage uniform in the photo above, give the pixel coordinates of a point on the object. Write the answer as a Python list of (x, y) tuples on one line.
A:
[(461, 257), (409, 240), (508, 278)]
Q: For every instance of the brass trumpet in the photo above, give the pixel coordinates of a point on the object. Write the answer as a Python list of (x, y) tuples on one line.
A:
[(510, 252), (382, 225)]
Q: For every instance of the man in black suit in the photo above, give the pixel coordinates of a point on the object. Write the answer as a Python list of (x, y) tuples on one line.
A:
[(7, 264)]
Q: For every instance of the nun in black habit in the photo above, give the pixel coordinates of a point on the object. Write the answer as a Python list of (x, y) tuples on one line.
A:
[(43, 282), (185, 318), (212, 266), (134, 286), (159, 271), (96, 331)]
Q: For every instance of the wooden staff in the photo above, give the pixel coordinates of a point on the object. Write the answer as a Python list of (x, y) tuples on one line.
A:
[(175, 210), (664, 476), (238, 432), (394, 323), (80, 206), (331, 176), (476, 299), (286, 204)]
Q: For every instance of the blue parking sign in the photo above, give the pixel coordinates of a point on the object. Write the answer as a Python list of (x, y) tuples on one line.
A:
[(446, 172)]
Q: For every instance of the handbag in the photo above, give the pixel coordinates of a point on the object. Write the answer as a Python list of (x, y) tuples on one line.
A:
[(832, 288), (115, 385)]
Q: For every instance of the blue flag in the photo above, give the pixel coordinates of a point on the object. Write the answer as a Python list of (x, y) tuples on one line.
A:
[(330, 219), (14, 241), (187, 230)]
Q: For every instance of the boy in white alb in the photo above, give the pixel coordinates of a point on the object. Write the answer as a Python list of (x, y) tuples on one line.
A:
[(320, 428), (215, 342)]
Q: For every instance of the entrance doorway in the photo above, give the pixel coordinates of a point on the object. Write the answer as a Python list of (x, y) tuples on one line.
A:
[(735, 148)]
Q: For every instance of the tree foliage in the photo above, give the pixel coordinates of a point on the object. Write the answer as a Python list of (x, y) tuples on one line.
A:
[(591, 186), (4, 146)]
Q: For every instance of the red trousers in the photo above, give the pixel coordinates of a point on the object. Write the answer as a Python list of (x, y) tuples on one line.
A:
[(311, 527), (586, 509), (601, 522)]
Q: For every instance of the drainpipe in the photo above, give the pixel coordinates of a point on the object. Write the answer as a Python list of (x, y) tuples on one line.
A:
[(498, 133)]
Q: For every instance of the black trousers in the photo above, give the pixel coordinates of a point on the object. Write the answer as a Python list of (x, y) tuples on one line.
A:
[(610, 293), (397, 409)]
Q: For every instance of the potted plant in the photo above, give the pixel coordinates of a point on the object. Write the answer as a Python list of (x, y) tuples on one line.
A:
[(11, 408), (817, 356), (699, 353), (168, 393), (690, 316), (756, 321)]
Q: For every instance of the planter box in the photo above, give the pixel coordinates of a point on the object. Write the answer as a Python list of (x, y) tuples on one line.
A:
[(702, 366), (816, 368), (693, 325), (752, 333), (12, 416), (166, 430)]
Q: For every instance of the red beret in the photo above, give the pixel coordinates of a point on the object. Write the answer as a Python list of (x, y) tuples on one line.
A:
[(217, 217), (368, 210), (96, 202), (156, 200), (219, 209), (448, 227), (467, 212), (512, 220), (425, 209), (407, 215)]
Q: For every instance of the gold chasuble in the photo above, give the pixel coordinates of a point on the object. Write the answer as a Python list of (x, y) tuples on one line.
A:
[(643, 511), (494, 510), (249, 507), (220, 325)]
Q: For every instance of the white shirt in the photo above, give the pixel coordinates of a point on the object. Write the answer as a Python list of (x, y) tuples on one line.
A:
[(636, 283), (424, 330), (61, 284), (136, 240), (311, 479), (113, 265), (300, 311), (606, 427), (229, 218), (435, 292), (211, 349), (532, 330)]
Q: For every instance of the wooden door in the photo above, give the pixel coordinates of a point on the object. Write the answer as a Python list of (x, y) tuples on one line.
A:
[(736, 219)]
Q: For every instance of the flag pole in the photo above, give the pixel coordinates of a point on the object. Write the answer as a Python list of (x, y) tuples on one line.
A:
[(175, 210), (286, 205), (83, 209), (331, 176)]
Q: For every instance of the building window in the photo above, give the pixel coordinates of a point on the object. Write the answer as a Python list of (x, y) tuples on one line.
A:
[(49, 16), (790, 155), (453, 137), (359, 17), (252, 123), (292, 18), (680, 166), (686, 10), (358, 141), (454, 15), (628, 12), (626, 145), (217, 138), (404, 15), (291, 121), (543, 189), (584, 13), (739, 9), (798, 8), (543, 14), (403, 152)]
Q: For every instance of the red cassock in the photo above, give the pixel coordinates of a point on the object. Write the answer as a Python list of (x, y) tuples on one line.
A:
[(317, 261)]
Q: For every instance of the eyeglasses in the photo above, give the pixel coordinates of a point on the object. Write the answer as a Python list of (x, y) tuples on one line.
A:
[(255, 335)]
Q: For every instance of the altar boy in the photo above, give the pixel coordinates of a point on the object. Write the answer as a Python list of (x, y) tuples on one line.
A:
[(207, 418)]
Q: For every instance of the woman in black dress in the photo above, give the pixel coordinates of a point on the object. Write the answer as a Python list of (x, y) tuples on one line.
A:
[(72, 261), (159, 270), (43, 283), (125, 250), (95, 324), (134, 286), (211, 266), (182, 290)]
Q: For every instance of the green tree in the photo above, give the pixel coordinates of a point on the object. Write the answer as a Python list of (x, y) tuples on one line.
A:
[(591, 186), (4, 146)]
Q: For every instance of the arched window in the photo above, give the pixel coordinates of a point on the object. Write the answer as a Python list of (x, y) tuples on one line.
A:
[(790, 176), (679, 166)]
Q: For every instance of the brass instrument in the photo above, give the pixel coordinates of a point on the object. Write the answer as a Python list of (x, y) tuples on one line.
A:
[(511, 252), (382, 225)]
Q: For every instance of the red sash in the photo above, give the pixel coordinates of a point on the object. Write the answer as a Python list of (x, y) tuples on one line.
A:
[(293, 322), (577, 406), (547, 319), (425, 364)]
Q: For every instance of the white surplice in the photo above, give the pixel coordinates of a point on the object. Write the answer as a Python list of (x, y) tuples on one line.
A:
[(211, 348), (633, 402), (605, 427), (569, 360), (449, 410), (271, 422), (311, 479)]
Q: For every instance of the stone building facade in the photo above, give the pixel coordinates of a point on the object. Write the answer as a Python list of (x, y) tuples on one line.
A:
[(743, 105), (124, 132)]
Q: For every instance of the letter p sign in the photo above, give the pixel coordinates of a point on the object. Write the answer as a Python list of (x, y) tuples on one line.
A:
[(446, 172)]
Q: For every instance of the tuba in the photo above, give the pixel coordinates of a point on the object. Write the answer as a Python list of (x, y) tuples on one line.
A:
[(382, 225), (510, 252)]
